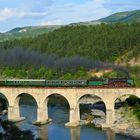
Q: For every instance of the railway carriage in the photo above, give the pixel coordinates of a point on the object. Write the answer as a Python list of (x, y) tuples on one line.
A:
[(66, 83), (22, 82)]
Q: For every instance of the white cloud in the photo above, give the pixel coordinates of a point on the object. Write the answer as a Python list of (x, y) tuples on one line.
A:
[(8, 13), (72, 12)]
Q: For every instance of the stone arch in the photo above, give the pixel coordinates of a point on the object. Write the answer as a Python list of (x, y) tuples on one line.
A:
[(120, 98), (4, 104), (126, 94), (91, 94), (18, 97), (45, 102), (95, 99), (46, 109), (6, 98), (119, 111), (18, 110)]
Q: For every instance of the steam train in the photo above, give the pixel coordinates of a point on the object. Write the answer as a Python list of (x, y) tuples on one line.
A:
[(93, 83)]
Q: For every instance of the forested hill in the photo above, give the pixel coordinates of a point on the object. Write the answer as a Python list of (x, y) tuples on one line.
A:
[(125, 17), (120, 17), (29, 31), (101, 42)]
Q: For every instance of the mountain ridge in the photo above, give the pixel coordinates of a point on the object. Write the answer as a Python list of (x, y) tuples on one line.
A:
[(27, 31)]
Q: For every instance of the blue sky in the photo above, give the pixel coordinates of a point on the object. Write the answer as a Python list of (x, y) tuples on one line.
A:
[(19, 13)]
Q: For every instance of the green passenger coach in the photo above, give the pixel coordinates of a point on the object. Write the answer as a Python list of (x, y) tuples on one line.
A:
[(25, 82), (63, 83)]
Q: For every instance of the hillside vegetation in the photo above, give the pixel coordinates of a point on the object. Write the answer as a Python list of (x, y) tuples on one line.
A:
[(132, 57), (121, 17), (101, 42)]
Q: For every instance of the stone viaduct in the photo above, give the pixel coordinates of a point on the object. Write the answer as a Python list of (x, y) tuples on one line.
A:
[(72, 95)]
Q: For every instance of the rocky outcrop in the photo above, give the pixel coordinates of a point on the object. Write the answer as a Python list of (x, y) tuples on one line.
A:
[(99, 113), (3, 112), (126, 123), (96, 117), (99, 117)]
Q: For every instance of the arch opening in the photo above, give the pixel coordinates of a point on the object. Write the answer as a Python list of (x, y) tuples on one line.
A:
[(127, 111), (58, 108), (3, 105), (92, 109), (27, 106)]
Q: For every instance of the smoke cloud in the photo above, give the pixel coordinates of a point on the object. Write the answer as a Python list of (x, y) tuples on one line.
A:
[(21, 57)]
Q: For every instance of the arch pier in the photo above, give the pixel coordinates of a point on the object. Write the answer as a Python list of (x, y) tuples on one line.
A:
[(72, 95)]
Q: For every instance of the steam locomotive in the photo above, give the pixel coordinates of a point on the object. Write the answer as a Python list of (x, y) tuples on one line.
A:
[(93, 83)]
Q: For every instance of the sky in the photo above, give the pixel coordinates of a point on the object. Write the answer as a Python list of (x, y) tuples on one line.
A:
[(20, 13)]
